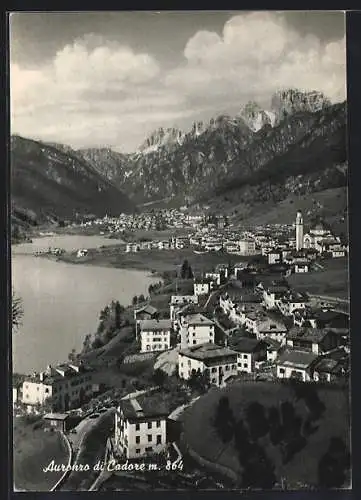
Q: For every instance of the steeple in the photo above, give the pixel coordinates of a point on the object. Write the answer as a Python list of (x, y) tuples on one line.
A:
[(299, 231)]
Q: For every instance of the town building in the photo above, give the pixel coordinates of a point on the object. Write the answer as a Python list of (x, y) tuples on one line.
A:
[(57, 421), (247, 246), (250, 353), (291, 301), (140, 428), (177, 302), (197, 329), (155, 334), (274, 257), (315, 340), (201, 288), (272, 294), (145, 312), (68, 386), (218, 363), (295, 364)]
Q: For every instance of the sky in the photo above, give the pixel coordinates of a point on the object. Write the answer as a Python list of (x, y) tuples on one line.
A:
[(111, 78)]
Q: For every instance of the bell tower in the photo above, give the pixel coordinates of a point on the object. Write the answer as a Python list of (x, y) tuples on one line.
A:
[(299, 231)]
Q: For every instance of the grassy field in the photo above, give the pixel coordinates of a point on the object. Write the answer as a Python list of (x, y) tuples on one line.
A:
[(202, 437), (157, 261), (329, 203), (332, 280), (34, 449)]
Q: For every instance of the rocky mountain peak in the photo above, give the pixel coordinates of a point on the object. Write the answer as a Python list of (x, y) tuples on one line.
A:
[(290, 101), (256, 117), (162, 137)]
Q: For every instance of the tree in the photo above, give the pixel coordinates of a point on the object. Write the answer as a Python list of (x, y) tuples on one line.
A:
[(135, 300), (186, 270), (224, 420), (257, 421), (334, 465), (159, 377), (141, 298), (17, 311), (118, 310)]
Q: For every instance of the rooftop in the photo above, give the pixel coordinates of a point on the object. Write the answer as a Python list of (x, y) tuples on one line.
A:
[(147, 309), (297, 359), (309, 334), (155, 324), (203, 352), (143, 407), (198, 319), (56, 416), (248, 345), (59, 372)]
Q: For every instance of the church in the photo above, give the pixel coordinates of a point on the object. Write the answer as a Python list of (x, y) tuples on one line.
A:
[(319, 237)]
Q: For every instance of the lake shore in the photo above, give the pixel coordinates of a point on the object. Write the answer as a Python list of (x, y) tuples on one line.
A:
[(155, 261)]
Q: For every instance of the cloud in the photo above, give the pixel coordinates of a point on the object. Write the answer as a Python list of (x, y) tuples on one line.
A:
[(256, 54), (96, 91)]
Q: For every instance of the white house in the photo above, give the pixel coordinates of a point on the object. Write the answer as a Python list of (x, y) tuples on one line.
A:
[(272, 294), (219, 363), (177, 302), (140, 428), (201, 288), (296, 364), (291, 301), (68, 385), (214, 277), (247, 246), (198, 329), (274, 257), (250, 352), (270, 327), (155, 334), (301, 266)]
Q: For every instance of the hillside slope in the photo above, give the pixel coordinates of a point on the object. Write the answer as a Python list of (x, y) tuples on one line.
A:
[(54, 184)]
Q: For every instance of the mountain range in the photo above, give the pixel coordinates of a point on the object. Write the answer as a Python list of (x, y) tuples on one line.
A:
[(258, 155)]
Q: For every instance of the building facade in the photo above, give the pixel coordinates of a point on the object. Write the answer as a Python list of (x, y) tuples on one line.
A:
[(140, 429), (218, 363), (68, 386), (155, 334)]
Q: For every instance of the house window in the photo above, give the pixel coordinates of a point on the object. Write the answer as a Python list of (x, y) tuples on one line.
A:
[(137, 427), (282, 371), (214, 370), (245, 356), (245, 365), (234, 367), (149, 449), (137, 451), (149, 425), (158, 423), (47, 390), (213, 380), (149, 438), (159, 439), (137, 439), (194, 342), (227, 368)]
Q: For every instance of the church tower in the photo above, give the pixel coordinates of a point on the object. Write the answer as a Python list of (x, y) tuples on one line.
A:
[(299, 231)]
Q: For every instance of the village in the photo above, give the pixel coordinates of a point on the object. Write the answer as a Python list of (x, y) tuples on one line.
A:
[(236, 323)]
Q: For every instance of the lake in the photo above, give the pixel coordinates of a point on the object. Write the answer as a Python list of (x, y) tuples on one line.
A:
[(62, 301)]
